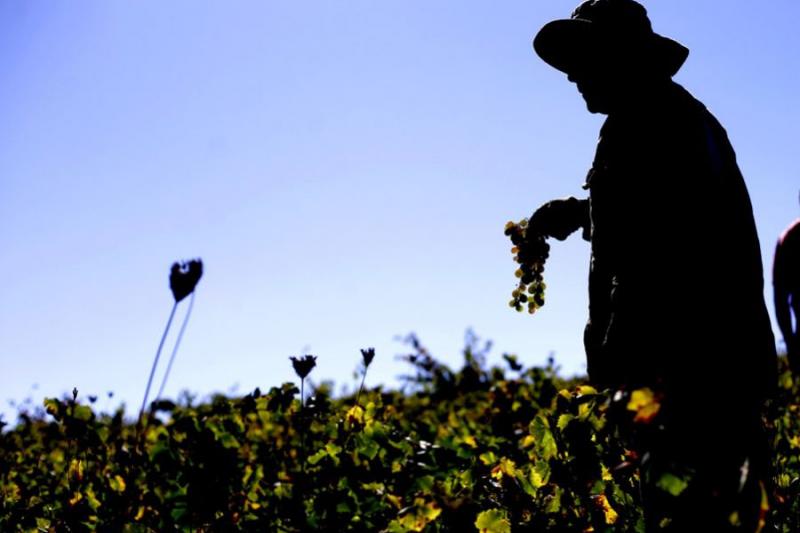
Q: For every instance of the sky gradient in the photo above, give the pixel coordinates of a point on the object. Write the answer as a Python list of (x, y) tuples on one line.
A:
[(344, 169)]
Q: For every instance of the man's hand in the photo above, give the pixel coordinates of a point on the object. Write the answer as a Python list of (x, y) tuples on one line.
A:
[(560, 218)]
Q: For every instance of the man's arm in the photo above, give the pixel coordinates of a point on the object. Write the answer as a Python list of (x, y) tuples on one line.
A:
[(560, 218)]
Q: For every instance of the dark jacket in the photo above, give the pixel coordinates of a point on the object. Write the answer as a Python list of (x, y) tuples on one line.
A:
[(676, 282), (786, 267), (786, 290)]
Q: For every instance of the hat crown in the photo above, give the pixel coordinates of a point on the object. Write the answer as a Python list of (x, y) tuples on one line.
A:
[(615, 16), (617, 30)]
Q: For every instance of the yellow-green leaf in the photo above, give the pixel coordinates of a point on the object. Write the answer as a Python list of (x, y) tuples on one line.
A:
[(354, 415), (545, 442), (82, 412), (645, 403), (505, 467), (488, 458), (609, 513), (493, 521), (672, 484), (117, 483), (563, 420), (317, 457), (540, 474)]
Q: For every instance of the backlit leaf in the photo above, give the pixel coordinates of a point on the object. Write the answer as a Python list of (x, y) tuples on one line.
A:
[(545, 442), (493, 521), (116, 483), (646, 405), (672, 484)]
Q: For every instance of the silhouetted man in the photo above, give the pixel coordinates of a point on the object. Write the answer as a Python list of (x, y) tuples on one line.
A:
[(786, 285), (676, 282)]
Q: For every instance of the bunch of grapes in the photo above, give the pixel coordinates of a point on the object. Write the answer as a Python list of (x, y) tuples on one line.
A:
[(530, 251)]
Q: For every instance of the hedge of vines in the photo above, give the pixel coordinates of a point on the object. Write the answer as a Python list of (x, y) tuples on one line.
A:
[(476, 449)]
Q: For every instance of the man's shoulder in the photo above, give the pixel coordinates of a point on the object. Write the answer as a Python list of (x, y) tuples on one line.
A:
[(672, 121), (791, 234), (681, 107)]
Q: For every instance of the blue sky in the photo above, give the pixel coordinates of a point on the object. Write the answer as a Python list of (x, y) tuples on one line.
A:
[(344, 169)]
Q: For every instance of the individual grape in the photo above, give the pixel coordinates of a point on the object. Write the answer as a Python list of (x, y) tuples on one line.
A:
[(530, 252)]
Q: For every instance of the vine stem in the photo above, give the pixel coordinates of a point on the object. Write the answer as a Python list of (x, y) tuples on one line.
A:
[(175, 348), (358, 395), (302, 425), (155, 361), (363, 377)]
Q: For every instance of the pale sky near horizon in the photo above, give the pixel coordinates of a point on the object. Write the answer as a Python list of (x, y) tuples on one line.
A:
[(344, 169)]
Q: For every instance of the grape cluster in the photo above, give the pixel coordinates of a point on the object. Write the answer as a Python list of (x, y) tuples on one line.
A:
[(530, 251)]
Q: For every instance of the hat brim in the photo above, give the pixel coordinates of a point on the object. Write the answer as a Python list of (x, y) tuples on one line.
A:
[(567, 45)]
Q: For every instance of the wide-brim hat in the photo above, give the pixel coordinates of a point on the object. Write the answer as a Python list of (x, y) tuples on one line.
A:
[(617, 27)]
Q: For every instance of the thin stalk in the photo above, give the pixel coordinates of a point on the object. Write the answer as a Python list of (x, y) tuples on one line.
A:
[(363, 377), (155, 361), (358, 395), (175, 348), (302, 425)]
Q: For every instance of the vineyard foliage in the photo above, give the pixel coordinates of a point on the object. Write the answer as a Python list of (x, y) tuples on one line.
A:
[(477, 449)]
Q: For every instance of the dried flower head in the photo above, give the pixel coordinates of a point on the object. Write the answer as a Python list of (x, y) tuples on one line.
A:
[(368, 355), (304, 365), (183, 278)]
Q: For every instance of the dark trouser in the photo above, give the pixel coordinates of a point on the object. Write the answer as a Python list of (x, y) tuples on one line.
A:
[(706, 471)]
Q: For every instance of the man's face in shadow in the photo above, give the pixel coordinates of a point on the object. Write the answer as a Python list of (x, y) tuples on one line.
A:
[(602, 84), (594, 92)]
